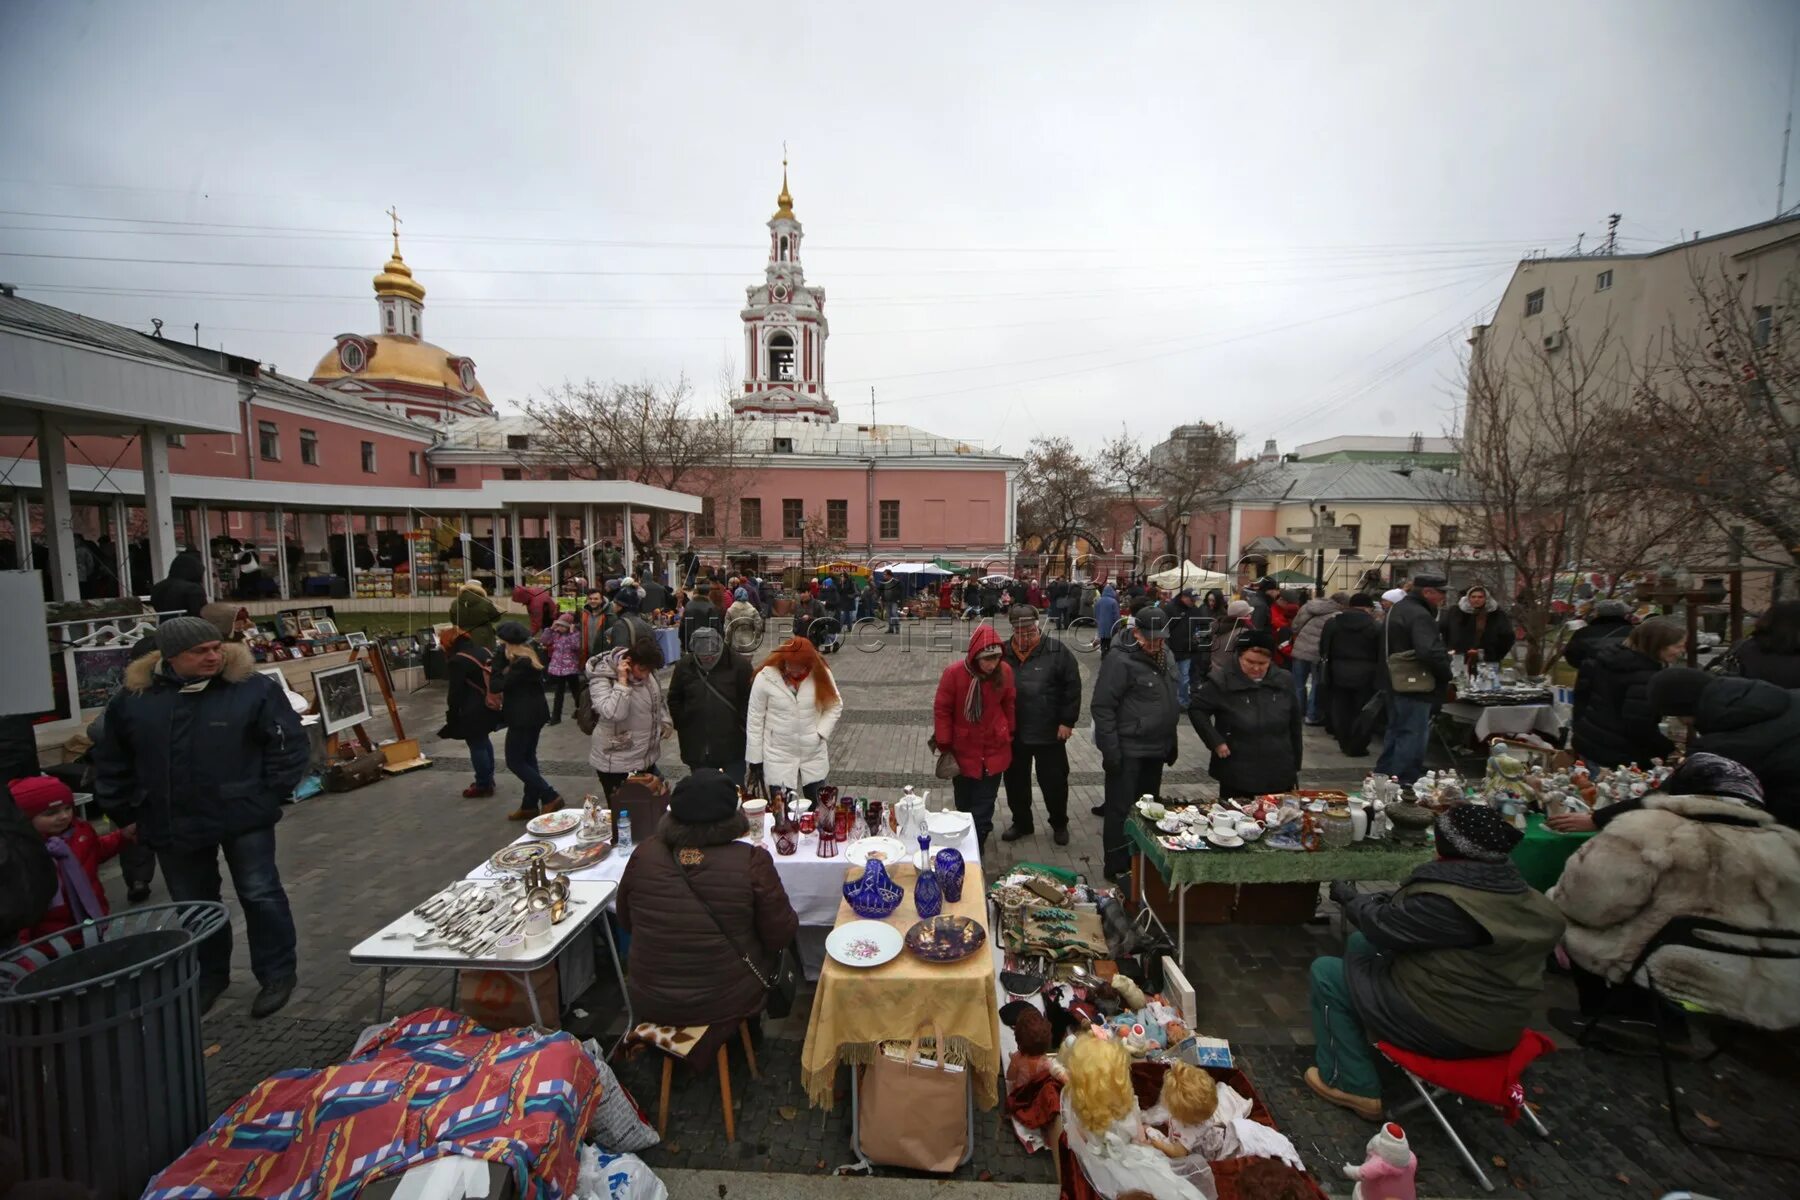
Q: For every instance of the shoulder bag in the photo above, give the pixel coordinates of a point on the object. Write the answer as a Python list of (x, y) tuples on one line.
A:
[(494, 700), (946, 761), (779, 985), (1408, 676)]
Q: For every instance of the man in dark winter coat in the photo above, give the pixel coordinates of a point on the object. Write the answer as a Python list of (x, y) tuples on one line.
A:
[(1750, 721), (1412, 625), (1135, 720), (1449, 965), (654, 593), (1248, 714), (1350, 649), (1262, 598), (1048, 681), (709, 697), (181, 591), (1611, 624), (1184, 624), (888, 591), (200, 751), (701, 613)]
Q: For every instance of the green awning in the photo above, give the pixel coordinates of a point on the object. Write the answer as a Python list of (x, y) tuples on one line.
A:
[(1292, 577), (948, 566)]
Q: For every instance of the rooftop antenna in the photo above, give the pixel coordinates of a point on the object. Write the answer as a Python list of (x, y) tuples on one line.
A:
[(1612, 234), (1787, 131), (196, 333), (156, 327), (871, 408)]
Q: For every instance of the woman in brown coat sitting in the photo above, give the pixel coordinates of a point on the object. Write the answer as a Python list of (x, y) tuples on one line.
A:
[(688, 963)]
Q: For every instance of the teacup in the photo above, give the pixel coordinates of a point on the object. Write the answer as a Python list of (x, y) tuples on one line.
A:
[(1224, 821), (1249, 830)]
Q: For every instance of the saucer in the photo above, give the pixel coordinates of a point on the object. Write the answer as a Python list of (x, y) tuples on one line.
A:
[(1225, 841)]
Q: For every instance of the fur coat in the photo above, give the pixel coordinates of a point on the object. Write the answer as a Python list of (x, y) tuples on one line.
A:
[(1689, 856)]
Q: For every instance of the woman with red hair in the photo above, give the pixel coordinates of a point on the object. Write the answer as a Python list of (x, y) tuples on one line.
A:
[(794, 706)]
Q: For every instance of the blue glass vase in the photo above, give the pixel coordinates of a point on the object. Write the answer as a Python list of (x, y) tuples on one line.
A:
[(928, 897), (873, 894), (950, 869)]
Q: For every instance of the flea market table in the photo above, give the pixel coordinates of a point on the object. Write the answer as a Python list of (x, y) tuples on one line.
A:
[(1543, 852), (1257, 863), (855, 1009), (1488, 720)]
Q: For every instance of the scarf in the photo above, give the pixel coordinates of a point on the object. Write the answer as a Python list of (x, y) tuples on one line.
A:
[(73, 887), (972, 700)]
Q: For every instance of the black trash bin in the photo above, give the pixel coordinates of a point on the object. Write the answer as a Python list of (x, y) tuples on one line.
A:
[(100, 1034)]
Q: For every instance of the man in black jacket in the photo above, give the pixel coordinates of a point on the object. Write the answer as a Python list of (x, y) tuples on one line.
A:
[(1135, 721), (1412, 625), (1610, 625), (1048, 683), (1750, 721), (181, 590), (1184, 623), (1350, 648), (888, 592), (709, 698), (200, 751)]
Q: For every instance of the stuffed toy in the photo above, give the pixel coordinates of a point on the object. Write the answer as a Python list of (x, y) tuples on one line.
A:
[(1388, 1171)]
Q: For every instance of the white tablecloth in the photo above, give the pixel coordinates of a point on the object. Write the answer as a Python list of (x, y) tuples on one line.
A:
[(1490, 719), (815, 886)]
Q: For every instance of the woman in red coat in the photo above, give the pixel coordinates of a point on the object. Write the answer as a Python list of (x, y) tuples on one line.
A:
[(974, 721)]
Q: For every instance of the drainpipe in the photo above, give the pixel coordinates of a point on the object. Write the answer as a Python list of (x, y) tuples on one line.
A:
[(249, 453), (869, 511)]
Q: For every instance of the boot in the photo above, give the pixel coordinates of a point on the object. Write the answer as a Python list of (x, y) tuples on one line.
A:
[(1366, 1107), (272, 998), (1015, 832), (521, 814)]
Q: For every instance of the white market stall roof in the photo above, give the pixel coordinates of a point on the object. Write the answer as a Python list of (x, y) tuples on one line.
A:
[(1189, 576), (914, 568)]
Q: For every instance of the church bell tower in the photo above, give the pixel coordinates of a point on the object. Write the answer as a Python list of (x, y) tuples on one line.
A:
[(784, 330)]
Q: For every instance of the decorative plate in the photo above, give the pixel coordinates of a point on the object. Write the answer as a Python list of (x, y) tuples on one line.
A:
[(946, 938), (588, 837), (519, 855), (888, 850), (864, 943), (1181, 844), (554, 824), (949, 826), (578, 858)]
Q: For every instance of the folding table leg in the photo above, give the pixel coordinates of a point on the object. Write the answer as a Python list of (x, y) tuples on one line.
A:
[(612, 947), (1535, 1123), (380, 993), (1468, 1159)]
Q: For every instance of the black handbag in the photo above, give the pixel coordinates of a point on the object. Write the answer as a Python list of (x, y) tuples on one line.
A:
[(780, 985)]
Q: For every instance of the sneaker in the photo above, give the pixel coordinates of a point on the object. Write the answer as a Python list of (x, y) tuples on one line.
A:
[(1099, 810), (1015, 832), (521, 814), (210, 991), (1366, 1107), (272, 998), (1059, 834), (137, 893), (476, 792)]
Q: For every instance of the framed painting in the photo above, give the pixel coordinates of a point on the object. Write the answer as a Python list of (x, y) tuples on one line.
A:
[(343, 697)]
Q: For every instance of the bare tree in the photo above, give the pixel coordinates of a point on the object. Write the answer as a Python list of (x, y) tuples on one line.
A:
[(1536, 495), (1165, 483), (649, 433), (818, 544), (1716, 411), (1061, 499)]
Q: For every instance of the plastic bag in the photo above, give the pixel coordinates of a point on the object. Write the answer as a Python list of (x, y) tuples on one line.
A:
[(616, 1177)]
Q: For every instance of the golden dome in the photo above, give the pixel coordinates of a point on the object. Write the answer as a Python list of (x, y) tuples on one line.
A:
[(396, 279), (400, 359), (784, 202)]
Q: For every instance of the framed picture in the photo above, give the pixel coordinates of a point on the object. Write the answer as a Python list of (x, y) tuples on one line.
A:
[(357, 638), (99, 672), (275, 673), (326, 627), (343, 700)]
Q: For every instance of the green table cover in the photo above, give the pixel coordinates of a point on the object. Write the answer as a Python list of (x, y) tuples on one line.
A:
[(1542, 854), (1257, 863)]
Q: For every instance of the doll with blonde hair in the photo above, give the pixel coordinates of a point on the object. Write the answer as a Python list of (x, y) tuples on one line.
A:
[(1106, 1132), (1210, 1120)]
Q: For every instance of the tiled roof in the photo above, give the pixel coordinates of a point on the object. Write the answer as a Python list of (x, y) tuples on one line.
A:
[(804, 438), (1345, 482), (20, 313)]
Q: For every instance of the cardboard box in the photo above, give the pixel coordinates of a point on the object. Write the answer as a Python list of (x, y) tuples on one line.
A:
[(498, 999)]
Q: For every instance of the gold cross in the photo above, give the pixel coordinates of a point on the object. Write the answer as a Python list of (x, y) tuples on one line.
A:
[(393, 212)]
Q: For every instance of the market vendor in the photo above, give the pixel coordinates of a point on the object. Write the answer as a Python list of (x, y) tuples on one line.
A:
[(1447, 966)]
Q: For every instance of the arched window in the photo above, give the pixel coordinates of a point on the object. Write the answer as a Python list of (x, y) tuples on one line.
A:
[(389, 313), (415, 323), (782, 253), (781, 356)]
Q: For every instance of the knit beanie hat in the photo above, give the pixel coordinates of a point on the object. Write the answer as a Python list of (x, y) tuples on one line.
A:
[(178, 635), (1389, 1145), (1475, 832), (1706, 774), (1675, 691), (1238, 608), (513, 633), (704, 797), (35, 793)]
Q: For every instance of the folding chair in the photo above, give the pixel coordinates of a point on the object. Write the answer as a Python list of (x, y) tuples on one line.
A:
[(1493, 1081), (1690, 933)]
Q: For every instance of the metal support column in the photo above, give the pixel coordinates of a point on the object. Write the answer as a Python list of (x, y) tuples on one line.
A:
[(462, 533), (22, 529), (499, 571), (59, 526), (281, 566), (515, 528), (350, 552), (206, 556), (159, 504), (629, 547), (587, 546), (121, 522)]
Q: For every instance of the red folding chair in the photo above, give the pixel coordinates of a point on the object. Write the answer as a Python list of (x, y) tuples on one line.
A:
[(1493, 1081)]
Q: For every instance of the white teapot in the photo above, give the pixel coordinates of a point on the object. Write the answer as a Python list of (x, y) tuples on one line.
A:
[(910, 815)]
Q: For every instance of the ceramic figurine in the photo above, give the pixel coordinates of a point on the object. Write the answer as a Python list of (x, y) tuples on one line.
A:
[(1388, 1171)]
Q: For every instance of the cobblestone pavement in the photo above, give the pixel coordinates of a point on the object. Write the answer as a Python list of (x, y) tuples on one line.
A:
[(351, 862)]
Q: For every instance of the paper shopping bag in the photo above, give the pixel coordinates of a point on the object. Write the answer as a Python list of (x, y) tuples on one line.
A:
[(914, 1112)]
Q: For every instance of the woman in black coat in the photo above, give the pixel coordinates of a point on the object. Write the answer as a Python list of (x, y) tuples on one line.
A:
[(519, 678), (1248, 716), (1477, 630), (1772, 651), (1615, 723), (467, 718), (1350, 648)]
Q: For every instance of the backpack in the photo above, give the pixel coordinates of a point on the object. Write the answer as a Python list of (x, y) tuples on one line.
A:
[(489, 696)]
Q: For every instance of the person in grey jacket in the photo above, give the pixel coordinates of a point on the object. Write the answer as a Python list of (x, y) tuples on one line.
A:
[(1248, 714), (1412, 625), (1135, 719), (1048, 683), (1308, 628)]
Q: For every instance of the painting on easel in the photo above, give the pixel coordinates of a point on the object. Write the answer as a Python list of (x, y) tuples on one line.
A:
[(343, 699)]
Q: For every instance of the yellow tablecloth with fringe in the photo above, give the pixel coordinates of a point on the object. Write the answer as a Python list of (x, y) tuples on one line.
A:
[(855, 1009)]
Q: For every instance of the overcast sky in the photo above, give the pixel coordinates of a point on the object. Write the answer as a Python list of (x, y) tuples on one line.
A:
[(1028, 217)]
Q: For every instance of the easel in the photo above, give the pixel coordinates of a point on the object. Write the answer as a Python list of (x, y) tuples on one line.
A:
[(378, 668)]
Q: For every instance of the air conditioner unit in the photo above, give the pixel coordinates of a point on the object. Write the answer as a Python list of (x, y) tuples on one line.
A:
[(1553, 341)]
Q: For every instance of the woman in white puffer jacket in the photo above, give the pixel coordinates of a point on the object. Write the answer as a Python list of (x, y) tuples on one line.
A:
[(794, 706)]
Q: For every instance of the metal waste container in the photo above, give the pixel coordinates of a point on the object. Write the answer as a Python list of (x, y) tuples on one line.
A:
[(100, 1035)]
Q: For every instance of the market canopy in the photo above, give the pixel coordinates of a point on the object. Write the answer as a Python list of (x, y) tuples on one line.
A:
[(916, 568), (1187, 575)]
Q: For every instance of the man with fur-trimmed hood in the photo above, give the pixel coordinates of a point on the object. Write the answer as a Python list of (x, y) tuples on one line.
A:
[(200, 751)]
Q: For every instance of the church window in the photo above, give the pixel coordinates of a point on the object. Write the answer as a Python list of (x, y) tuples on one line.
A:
[(781, 357), (309, 447), (389, 314), (268, 441), (784, 248), (705, 524), (415, 323), (465, 371), (351, 357), (837, 518), (512, 473), (368, 458)]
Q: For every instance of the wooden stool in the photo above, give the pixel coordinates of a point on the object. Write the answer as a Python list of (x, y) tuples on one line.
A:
[(724, 1064)]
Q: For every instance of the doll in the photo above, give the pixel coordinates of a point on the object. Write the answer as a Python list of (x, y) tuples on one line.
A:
[(1387, 1173), (1033, 1078), (1211, 1120), (1106, 1131)]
